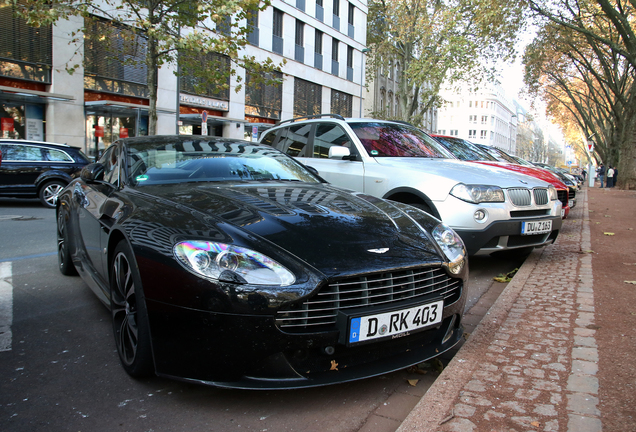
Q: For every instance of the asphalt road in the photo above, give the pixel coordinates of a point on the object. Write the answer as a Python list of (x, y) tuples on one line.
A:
[(60, 371)]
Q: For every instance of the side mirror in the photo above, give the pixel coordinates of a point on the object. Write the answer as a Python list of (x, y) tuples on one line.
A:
[(92, 173), (339, 152)]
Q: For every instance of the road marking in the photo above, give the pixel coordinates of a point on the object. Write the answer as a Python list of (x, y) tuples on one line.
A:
[(6, 306)]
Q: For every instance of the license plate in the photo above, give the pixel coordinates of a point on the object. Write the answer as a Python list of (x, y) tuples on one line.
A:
[(536, 227), (571, 203), (396, 323)]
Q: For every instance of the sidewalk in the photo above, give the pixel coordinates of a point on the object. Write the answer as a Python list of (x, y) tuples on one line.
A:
[(532, 364)]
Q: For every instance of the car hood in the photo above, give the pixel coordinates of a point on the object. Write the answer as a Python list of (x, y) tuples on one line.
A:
[(453, 171), (539, 173), (331, 229)]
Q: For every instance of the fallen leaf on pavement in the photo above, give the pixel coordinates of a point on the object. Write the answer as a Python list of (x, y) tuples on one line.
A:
[(535, 424), (597, 223), (608, 216), (608, 233), (587, 251), (629, 263), (334, 365), (413, 382), (631, 282), (505, 277)]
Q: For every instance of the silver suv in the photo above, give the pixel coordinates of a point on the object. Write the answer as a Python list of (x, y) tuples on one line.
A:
[(490, 208)]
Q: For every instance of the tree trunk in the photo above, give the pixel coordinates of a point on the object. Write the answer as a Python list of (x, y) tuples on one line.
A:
[(627, 164), (152, 85)]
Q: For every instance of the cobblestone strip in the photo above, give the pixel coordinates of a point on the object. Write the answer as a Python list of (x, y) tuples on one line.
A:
[(533, 364), (583, 412)]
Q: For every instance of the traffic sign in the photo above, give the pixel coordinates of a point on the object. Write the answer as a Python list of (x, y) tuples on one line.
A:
[(204, 116), (590, 146)]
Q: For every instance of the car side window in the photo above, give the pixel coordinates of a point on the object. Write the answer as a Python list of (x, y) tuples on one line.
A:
[(328, 135), (269, 138), (18, 152), (294, 140), (110, 161), (57, 156)]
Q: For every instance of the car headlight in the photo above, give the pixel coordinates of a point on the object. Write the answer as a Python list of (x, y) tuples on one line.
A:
[(554, 196), (478, 193), (452, 246), (210, 260)]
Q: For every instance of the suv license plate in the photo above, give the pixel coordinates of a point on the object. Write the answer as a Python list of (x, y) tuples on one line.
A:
[(538, 227), (400, 322)]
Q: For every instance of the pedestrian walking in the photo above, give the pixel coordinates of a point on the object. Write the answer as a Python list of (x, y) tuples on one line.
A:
[(601, 173), (583, 172), (615, 177), (610, 177)]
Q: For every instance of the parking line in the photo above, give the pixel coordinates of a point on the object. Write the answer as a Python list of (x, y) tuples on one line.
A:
[(27, 257), (6, 306)]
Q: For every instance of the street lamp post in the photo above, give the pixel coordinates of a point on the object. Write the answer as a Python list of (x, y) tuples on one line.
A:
[(364, 51)]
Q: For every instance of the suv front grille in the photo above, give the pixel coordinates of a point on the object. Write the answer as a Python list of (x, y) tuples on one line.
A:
[(522, 197), (319, 313)]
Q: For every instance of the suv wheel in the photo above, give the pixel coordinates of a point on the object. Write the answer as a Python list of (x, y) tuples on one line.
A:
[(48, 193)]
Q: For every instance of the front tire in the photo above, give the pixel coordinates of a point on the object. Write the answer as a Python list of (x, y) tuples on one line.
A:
[(49, 192), (130, 317), (65, 263)]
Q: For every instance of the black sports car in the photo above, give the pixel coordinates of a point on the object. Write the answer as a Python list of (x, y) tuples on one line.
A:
[(229, 263)]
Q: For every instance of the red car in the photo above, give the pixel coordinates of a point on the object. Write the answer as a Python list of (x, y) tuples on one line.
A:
[(467, 151)]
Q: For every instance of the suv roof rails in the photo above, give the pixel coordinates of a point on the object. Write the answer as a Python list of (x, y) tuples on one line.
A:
[(336, 116)]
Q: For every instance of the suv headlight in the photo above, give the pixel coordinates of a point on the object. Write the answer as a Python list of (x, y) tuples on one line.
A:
[(452, 246), (210, 260), (554, 195), (478, 193)]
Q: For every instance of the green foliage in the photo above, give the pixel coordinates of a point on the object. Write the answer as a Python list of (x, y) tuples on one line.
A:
[(436, 42), (583, 62), (189, 27)]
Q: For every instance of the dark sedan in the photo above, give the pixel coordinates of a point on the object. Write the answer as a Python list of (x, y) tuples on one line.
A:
[(229, 263)]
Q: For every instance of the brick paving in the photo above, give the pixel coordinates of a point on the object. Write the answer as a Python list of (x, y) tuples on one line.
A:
[(532, 363)]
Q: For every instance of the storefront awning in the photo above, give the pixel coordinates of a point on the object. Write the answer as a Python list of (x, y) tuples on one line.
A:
[(27, 95), (196, 119)]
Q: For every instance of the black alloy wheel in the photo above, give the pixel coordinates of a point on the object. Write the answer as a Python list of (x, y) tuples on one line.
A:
[(64, 261), (130, 318), (49, 192)]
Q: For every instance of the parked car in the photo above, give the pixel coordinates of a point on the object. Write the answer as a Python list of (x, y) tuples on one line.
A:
[(467, 151), (573, 181), (36, 169), (492, 209), (228, 263)]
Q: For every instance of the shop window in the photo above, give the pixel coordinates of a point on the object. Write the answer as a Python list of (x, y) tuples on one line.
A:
[(262, 99), (25, 51), (114, 59), (307, 98), (341, 103), (205, 74)]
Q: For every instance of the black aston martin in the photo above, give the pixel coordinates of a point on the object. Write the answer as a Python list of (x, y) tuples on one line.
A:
[(228, 263)]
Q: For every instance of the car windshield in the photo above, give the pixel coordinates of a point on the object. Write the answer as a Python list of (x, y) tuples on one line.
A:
[(465, 150), (201, 161), (397, 140)]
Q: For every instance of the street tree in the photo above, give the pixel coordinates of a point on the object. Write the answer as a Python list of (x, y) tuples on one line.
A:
[(169, 29), (437, 42), (584, 62)]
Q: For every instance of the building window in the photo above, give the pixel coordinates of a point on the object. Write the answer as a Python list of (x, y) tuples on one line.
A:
[(352, 30), (299, 53), (300, 4), (115, 59), (277, 37), (484, 119), (26, 52), (472, 134), (264, 100), (307, 98), (336, 14), (252, 26), (350, 63), (335, 66), (216, 83), (341, 103), (318, 49), (320, 11), (483, 134), (472, 119)]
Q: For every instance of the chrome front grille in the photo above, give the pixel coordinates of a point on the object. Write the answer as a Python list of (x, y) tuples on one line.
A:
[(319, 313), (540, 196), (520, 197)]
